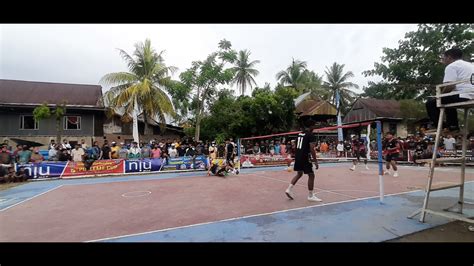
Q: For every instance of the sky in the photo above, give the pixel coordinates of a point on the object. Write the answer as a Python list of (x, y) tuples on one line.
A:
[(83, 53)]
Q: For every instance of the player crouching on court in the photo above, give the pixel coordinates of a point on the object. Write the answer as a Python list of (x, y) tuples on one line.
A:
[(305, 157), (223, 170)]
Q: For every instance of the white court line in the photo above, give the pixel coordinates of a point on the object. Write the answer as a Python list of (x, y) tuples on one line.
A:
[(249, 216), (30, 198), (329, 191)]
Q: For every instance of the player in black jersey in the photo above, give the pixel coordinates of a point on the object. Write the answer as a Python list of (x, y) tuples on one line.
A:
[(305, 156)]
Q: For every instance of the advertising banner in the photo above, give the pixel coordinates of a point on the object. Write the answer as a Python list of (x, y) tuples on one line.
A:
[(186, 162)]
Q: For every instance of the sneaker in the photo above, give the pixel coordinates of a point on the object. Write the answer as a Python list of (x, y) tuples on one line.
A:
[(314, 198), (352, 168), (386, 172), (395, 174), (237, 172), (289, 193), (366, 167)]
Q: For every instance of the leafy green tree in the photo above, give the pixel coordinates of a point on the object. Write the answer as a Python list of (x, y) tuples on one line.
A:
[(413, 69), (204, 78), (43, 112)]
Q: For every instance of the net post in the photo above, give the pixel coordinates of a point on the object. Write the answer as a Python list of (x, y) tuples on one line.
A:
[(379, 149), (238, 153)]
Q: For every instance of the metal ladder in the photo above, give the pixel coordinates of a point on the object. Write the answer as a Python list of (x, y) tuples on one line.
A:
[(455, 211)]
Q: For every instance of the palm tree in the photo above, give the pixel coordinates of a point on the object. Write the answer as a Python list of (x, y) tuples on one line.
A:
[(141, 89), (293, 75), (244, 73), (337, 82), (312, 82), (338, 86)]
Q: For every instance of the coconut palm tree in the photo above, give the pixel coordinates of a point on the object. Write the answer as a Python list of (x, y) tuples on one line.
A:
[(142, 88), (337, 82), (244, 71), (338, 86), (293, 75)]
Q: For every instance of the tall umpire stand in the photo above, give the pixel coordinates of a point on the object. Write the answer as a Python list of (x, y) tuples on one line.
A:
[(455, 211)]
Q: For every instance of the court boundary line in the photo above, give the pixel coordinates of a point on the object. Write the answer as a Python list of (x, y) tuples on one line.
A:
[(37, 195), (249, 216), (321, 190)]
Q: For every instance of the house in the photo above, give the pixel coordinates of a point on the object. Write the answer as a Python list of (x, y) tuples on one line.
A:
[(310, 105), (386, 111), (84, 116), (118, 130)]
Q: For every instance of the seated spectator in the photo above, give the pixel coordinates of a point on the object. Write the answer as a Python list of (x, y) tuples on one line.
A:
[(24, 155), (36, 157), (64, 155), (77, 153)]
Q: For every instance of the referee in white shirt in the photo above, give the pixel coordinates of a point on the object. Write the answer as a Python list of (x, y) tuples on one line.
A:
[(456, 69)]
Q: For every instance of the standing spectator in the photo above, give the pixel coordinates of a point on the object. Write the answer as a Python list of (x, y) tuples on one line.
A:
[(155, 152), (146, 151), (5, 159), (66, 146), (173, 153), (36, 157), (340, 149), (53, 153), (181, 150), (19, 148), (283, 149), (123, 151), (9, 148), (212, 152), (205, 149), (324, 147), (134, 152), (191, 151), (96, 152), (77, 154), (114, 150), (84, 145), (277, 147), (106, 151), (52, 145), (347, 147)]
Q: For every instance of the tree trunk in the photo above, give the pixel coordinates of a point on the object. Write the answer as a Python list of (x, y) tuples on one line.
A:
[(198, 126), (58, 130), (148, 130)]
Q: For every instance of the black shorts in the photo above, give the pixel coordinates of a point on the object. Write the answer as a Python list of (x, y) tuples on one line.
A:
[(390, 157), (306, 167), (359, 154)]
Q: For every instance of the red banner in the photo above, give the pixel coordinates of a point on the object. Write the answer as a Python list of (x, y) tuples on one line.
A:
[(97, 168)]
